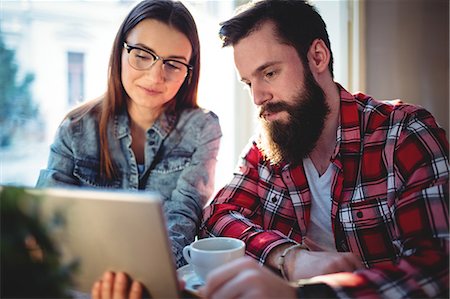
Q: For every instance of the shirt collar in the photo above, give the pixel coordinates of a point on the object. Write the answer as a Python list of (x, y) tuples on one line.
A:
[(163, 125), (348, 138)]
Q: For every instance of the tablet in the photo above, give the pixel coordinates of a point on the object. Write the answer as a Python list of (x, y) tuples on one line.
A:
[(107, 230)]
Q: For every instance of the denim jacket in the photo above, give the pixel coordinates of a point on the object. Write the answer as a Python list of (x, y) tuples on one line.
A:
[(180, 160)]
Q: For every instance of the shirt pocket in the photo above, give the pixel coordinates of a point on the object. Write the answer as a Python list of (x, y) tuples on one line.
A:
[(165, 175), (175, 162), (368, 229), (88, 173), (278, 210)]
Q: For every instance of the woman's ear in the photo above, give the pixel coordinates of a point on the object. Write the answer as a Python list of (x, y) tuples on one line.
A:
[(318, 56)]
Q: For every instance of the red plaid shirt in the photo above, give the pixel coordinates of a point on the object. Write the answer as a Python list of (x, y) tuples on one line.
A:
[(389, 200)]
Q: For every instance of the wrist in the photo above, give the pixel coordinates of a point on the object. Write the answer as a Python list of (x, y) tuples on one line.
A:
[(272, 259), (282, 264)]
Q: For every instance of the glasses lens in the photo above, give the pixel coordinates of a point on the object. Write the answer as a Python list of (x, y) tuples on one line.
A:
[(140, 60), (175, 70), (143, 60)]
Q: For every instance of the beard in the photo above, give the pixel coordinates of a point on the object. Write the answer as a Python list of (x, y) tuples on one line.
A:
[(292, 140)]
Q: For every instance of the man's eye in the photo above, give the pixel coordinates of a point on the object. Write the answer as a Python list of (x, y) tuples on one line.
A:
[(269, 75), (247, 85)]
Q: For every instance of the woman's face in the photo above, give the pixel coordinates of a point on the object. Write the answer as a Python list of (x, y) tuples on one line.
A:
[(148, 90)]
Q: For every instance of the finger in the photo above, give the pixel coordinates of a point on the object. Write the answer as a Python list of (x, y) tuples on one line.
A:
[(95, 291), (237, 286), (120, 286), (106, 286), (347, 266), (181, 284), (357, 263), (353, 262), (135, 290), (225, 273)]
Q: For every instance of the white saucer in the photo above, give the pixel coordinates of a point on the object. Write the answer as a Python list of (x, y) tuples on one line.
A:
[(193, 282)]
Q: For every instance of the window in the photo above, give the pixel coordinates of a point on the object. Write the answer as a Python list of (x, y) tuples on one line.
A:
[(66, 46), (75, 75)]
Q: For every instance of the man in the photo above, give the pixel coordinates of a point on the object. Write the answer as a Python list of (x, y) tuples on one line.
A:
[(343, 190)]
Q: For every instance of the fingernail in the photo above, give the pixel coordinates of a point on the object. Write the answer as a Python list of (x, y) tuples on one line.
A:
[(107, 275)]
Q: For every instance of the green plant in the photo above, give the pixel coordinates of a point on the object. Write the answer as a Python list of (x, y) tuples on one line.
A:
[(30, 264), (16, 105)]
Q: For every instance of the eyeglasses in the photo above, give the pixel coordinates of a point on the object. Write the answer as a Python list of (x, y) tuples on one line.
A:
[(143, 59)]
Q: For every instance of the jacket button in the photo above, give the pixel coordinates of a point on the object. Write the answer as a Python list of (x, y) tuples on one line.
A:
[(359, 214), (274, 199)]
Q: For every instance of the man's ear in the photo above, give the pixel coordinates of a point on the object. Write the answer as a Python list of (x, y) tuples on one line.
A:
[(318, 56)]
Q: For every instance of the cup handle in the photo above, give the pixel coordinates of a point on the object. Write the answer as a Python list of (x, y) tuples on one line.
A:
[(187, 253)]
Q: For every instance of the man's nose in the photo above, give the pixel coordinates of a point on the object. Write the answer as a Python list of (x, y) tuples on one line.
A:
[(260, 93)]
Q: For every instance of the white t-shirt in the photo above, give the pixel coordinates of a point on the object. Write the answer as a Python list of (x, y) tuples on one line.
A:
[(319, 236)]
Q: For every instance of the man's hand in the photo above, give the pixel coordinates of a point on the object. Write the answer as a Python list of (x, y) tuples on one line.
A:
[(245, 278), (115, 286), (301, 264)]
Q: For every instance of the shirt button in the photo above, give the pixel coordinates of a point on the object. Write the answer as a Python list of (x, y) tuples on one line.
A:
[(359, 214), (274, 199)]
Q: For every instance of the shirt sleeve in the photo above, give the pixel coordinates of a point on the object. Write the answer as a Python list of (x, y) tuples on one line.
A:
[(194, 188), (236, 211), (59, 171), (420, 212)]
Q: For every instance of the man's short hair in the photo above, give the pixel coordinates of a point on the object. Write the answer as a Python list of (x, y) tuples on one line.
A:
[(297, 23)]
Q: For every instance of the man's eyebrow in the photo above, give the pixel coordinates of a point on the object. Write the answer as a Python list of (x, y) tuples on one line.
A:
[(261, 68)]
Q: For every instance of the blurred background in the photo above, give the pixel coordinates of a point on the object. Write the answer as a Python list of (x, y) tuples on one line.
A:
[(54, 56)]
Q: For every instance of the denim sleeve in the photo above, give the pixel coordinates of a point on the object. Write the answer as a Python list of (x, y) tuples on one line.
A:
[(194, 188), (59, 171)]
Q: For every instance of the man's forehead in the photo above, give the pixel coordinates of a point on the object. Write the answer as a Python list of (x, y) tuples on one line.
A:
[(261, 49)]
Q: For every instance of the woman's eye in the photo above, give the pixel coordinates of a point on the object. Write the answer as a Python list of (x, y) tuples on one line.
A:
[(142, 57), (173, 65)]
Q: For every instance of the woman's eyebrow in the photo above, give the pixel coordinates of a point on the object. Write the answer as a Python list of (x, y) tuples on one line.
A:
[(165, 57)]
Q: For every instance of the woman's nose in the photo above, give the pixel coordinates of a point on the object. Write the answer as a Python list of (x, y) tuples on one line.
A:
[(156, 71)]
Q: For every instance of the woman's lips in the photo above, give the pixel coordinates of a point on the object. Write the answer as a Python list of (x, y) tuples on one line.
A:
[(150, 91)]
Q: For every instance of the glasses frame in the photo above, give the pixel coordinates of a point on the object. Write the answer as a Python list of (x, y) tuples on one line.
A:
[(156, 57)]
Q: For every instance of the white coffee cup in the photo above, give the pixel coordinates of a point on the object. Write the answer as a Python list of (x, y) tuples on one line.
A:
[(205, 255)]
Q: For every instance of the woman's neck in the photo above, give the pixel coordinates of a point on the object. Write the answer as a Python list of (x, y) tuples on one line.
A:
[(140, 121), (143, 118)]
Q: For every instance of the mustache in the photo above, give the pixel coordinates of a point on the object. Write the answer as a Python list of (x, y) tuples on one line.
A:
[(273, 107)]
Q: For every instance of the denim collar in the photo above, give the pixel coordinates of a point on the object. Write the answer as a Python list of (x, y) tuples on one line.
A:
[(163, 125)]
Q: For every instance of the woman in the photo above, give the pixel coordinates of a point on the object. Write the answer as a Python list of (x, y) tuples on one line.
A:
[(147, 131)]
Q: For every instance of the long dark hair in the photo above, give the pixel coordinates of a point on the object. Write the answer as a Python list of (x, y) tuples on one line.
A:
[(297, 23), (172, 13)]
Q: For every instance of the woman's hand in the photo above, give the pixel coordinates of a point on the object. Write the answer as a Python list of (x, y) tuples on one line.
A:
[(115, 286)]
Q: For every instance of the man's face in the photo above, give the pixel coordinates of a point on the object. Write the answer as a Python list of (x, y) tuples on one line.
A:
[(292, 107)]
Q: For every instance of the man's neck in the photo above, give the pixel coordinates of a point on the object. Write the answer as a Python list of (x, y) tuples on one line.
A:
[(326, 144)]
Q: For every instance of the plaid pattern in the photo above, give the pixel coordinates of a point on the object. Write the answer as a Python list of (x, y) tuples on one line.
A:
[(389, 201)]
